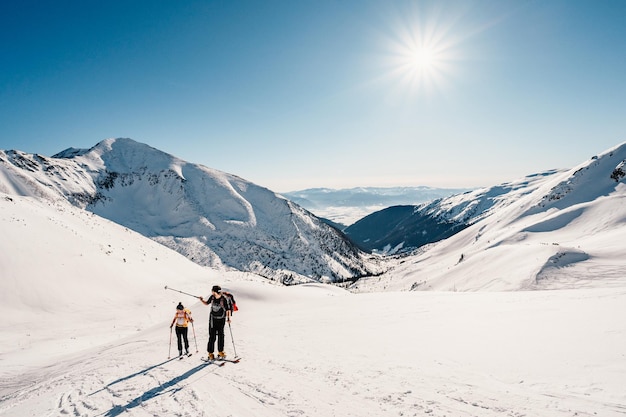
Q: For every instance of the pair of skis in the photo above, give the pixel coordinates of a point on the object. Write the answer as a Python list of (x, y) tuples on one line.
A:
[(220, 361)]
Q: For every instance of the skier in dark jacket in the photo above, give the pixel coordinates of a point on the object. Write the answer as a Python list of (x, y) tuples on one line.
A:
[(220, 314)]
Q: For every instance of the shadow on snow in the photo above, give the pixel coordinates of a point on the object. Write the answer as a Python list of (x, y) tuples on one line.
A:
[(152, 393), (143, 372)]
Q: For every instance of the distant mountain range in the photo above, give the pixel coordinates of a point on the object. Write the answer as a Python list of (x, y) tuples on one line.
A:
[(344, 207)]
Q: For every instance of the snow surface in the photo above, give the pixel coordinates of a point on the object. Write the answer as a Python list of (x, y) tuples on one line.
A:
[(86, 334)]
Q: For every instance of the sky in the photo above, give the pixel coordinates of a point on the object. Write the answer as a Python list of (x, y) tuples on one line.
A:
[(300, 94)]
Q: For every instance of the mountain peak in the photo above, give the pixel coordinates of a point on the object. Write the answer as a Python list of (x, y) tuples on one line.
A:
[(211, 217), (124, 155)]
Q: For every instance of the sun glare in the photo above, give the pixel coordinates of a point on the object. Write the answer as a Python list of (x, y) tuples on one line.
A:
[(422, 60), (420, 67), (422, 52)]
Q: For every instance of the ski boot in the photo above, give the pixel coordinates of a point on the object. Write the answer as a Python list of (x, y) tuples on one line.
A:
[(221, 355)]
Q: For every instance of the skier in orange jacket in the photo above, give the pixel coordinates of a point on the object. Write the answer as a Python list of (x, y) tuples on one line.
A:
[(181, 319)]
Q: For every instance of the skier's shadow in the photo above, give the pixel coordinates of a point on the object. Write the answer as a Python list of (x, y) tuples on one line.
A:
[(154, 392), (143, 372)]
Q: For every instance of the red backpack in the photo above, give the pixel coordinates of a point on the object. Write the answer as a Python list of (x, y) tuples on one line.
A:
[(231, 304)]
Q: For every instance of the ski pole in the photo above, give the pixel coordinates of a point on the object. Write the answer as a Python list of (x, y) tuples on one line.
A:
[(231, 338), (182, 292), (194, 336), (169, 352)]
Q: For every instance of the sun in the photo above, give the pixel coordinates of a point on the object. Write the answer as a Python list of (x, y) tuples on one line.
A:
[(422, 51), (422, 60)]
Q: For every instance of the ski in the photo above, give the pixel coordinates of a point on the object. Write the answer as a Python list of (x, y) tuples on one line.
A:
[(234, 360), (212, 361)]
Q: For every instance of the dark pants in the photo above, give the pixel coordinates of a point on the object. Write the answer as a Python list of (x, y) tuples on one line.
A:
[(181, 333), (216, 331)]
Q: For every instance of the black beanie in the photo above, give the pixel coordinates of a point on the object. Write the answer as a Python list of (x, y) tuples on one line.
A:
[(180, 306)]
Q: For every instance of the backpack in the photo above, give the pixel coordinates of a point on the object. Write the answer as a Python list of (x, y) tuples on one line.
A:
[(231, 304), (218, 307), (182, 317)]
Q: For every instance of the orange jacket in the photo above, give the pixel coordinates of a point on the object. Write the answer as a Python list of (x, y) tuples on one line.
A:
[(182, 318)]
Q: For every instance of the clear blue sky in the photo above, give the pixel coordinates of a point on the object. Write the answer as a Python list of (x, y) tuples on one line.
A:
[(298, 94)]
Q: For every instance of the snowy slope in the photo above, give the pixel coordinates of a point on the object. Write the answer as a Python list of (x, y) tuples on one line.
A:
[(310, 351), (71, 280), (556, 230), (213, 218), (87, 335)]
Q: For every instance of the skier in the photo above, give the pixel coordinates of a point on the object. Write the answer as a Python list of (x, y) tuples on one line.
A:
[(220, 314), (182, 318)]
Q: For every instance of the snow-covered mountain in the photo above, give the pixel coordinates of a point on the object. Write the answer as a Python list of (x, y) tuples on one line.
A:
[(86, 329), (346, 206), (560, 228), (400, 229), (211, 217)]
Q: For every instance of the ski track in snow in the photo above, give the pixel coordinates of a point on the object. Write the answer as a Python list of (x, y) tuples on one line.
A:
[(337, 368), (169, 388)]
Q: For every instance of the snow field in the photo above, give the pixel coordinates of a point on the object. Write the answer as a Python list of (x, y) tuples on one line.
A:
[(315, 350)]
